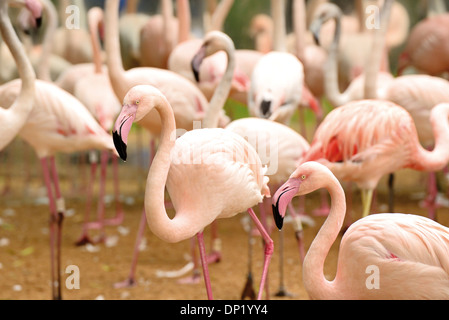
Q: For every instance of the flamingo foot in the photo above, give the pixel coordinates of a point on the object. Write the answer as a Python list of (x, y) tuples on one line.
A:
[(128, 283), (214, 257), (248, 289), (83, 240), (282, 292), (195, 278)]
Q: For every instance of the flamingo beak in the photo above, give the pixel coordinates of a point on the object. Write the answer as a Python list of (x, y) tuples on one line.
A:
[(196, 62), (35, 7), (315, 28), (121, 130), (282, 198)]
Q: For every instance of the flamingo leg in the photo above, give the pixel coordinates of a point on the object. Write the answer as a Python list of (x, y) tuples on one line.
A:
[(119, 213), (248, 290), (367, 196), (60, 213), (299, 231), (268, 250), (131, 280), (84, 238), (391, 192), (202, 248)]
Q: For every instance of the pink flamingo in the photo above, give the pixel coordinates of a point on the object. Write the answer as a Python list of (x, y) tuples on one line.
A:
[(15, 117), (418, 94), (96, 93), (408, 252), (212, 69), (58, 122), (229, 169), (427, 47), (356, 90), (277, 80), (278, 146), (364, 140)]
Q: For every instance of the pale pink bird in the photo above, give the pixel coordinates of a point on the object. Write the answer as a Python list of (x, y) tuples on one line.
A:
[(228, 178), (95, 92), (212, 69), (408, 253), (427, 47), (357, 88), (158, 37), (15, 117), (278, 146), (418, 94), (188, 102), (364, 140), (58, 122), (277, 81)]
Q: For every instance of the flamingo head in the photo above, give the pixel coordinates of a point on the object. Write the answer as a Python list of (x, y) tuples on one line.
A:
[(213, 42), (324, 13), (138, 102), (307, 178), (32, 17)]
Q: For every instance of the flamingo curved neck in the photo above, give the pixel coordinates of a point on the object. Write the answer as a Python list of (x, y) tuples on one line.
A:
[(331, 81), (95, 18), (438, 158), (18, 113), (43, 71), (279, 34), (114, 62), (221, 93), (167, 229), (315, 282)]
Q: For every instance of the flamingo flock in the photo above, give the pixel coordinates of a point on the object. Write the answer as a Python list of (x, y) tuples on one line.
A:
[(376, 103)]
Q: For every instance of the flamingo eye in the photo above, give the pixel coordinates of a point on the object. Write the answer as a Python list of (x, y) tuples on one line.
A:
[(137, 101), (303, 177)]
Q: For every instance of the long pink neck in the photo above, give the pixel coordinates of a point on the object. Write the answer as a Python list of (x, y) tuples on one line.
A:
[(315, 282), (438, 158), (279, 33), (117, 73), (299, 21), (220, 13), (43, 71), (184, 20), (178, 228), (95, 19), (17, 114)]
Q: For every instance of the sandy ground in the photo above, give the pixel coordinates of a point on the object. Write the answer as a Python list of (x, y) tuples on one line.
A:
[(24, 240)]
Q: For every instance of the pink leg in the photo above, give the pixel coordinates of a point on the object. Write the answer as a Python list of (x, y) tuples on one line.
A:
[(195, 277), (131, 281), (268, 250), (202, 248), (60, 213), (432, 191), (299, 234), (119, 213), (84, 238)]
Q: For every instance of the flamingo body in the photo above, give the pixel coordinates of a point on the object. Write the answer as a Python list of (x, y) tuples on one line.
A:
[(382, 256)]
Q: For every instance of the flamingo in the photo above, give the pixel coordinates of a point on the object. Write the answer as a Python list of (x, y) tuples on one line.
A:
[(418, 94), (364, 140), (58, 122), (96, 93), (278, 146), (356, 90), (427, 47), (16, 116), (408, 252), (212, 70), (277, 80), (229, 171)]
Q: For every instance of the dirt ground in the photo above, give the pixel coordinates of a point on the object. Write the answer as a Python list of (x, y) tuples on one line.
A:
[(24, 240)]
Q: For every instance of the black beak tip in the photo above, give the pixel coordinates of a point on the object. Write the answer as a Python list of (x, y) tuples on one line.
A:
[(120, 146), (195, 71), (316, 38), (278, 219), (39, 22)]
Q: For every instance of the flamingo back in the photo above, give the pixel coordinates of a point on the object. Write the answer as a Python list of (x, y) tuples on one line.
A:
[(215, 171), (411, 253), (357, 141)]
